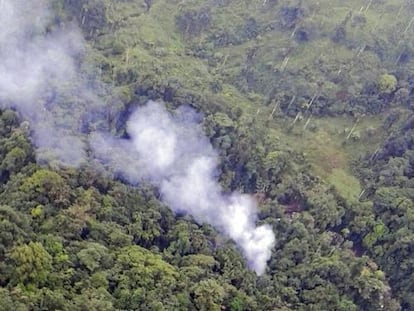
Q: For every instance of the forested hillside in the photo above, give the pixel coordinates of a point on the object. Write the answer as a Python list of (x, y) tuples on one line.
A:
[(308, 105)]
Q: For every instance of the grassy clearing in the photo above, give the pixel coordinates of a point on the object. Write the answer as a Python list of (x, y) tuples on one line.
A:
[(345, 184), (154, 46)]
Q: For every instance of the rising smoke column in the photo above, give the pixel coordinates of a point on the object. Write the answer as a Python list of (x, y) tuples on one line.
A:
[(171, 152), (40, 78)]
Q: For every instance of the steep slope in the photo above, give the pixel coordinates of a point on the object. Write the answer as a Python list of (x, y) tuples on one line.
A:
[(298, 98)]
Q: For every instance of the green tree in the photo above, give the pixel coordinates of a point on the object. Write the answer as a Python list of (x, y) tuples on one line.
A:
[(143, 278), (95, 256), (30, 264), (46, 187), (208, 295)]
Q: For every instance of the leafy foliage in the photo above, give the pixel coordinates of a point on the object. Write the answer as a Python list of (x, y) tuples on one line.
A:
[(307, 105)]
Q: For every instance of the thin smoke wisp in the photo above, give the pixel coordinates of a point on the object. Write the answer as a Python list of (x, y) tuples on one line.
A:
[(37, 69)]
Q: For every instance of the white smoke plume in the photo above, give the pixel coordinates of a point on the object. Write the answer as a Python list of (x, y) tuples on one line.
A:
[(36, 65), (40, 78), (172, 152)]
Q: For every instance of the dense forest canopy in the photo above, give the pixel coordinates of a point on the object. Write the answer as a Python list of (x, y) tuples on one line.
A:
[(305, 107)]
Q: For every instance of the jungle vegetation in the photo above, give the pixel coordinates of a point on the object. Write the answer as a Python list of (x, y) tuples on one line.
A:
[(310, 105)]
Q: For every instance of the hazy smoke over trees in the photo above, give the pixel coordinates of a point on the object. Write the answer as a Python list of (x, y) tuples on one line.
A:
[(39, 77), (36, 65)]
